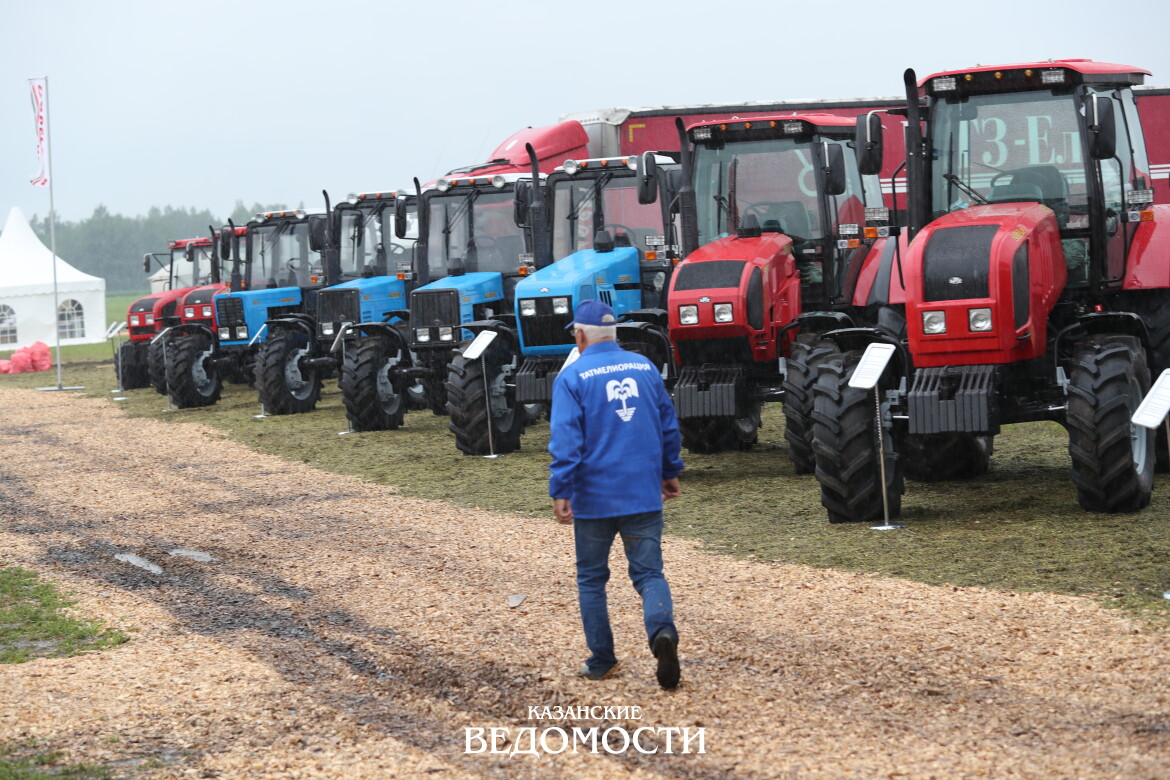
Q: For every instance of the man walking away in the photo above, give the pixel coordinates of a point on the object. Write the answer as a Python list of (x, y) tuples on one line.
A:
[(615, 447)]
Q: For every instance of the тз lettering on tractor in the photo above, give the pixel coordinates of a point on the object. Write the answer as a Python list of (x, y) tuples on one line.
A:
[(1035, 286), (771, 213)]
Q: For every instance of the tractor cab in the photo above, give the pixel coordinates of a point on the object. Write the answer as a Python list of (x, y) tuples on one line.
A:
[(471, 245)]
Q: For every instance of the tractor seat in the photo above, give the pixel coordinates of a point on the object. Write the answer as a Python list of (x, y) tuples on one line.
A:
[(1015, 192), (1041, 183)]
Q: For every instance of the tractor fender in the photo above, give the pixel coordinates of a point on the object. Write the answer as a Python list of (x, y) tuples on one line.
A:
[(401, 314), (654, 316), (849, 339), (1112, 322), (505, 329), (386, 329), (292, 323), (187, 329), (656, 340), (817, 322)]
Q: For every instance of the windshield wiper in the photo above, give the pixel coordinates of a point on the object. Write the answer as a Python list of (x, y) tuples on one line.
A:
[(589, 197), (967, 188)]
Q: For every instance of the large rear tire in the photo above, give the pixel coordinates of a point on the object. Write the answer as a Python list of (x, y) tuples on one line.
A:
[(480, 399), (285, 387), (131, 365), (192, 378), (1112, 459), (946, 456), (807, 350), (846, 449), (374, 395), (156, 365)]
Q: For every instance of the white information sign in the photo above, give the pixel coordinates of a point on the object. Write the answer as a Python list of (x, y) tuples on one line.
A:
[(872, 364)]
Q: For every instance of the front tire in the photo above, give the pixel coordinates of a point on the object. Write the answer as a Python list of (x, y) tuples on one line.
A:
[(285, 387), (845, 445), (131, 365), (373, 394), (480, 399), (192, 378), (1112, 459), (807, 351), (156, 365)]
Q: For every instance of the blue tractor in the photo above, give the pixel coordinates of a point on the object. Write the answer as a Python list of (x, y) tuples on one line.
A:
[(470, 253), (278, 275), (613, 231), (369, 271)]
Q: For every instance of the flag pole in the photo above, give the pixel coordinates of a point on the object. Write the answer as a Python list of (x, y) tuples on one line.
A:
[(53, 242), (53, 231)]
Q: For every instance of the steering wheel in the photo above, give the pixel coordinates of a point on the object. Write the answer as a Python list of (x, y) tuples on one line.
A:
[(764, 207), (612, 227)]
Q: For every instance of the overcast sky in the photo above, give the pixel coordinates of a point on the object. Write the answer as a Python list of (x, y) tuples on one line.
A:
[(200, 104)]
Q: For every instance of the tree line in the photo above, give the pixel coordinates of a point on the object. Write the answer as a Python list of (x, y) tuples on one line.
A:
[(111, 245)]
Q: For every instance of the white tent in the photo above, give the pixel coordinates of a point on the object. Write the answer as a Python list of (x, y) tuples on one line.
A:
[(26, 293)]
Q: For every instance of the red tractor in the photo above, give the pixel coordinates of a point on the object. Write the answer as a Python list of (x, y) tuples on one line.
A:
[(1034, 284), (772, 211), (140, 360)]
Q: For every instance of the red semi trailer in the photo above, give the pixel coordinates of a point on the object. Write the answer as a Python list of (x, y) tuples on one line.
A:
[(630, 131)]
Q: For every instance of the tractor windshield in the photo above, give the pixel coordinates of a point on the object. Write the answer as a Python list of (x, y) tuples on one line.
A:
[(201, 264), (1003, 148), (474, 231), (368, 243), (773, 179), (279, 255), (582, 206)]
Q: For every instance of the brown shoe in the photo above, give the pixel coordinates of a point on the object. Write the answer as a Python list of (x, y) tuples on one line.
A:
[(597, 674)]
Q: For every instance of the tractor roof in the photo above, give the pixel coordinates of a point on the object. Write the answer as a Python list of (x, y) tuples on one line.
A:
[(1025, 75)]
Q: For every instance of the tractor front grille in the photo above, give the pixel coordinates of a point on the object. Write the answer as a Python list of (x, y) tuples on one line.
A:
[(338, 306), (545, 329), (432, 309), (229, 311)]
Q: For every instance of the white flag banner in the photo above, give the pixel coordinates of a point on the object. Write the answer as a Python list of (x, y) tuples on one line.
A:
[(40, 114)]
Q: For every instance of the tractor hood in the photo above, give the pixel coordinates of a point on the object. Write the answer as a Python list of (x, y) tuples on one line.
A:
[(583, 275)]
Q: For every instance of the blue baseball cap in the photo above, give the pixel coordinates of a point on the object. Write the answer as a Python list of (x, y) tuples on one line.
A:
[(592, 313)]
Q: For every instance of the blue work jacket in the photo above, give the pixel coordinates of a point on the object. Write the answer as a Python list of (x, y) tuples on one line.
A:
[(614, 434)]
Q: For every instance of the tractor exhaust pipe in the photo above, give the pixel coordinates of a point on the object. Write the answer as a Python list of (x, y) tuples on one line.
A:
[(538, 215)]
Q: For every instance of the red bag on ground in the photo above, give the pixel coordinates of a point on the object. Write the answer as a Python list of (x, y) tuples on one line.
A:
[(21, 362), (4, 366), (42, 360)]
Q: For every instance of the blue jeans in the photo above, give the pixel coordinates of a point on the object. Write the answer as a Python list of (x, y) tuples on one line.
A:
[(642, 540)]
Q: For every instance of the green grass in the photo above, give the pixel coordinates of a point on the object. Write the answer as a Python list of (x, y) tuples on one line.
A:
[(1019, 527), (34, 622)]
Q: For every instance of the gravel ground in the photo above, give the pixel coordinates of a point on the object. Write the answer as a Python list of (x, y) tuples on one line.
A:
[(342, 630)]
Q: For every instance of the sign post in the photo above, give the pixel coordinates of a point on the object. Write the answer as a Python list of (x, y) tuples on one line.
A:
[(865, 377)]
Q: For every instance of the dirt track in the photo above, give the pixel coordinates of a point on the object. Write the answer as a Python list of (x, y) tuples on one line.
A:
[(345, 631)]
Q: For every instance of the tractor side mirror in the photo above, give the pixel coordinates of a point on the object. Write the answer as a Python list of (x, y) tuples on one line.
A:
[(400, 216), (834, 168), (647, 171), (146, 263), (867, 143), (318, 232), (521, 201), (226, 242), (1102, 128), (189, 253)]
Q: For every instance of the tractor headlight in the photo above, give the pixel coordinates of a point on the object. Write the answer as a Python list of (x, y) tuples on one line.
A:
[(149, 319), (326, 328), (422, 334), (688, 315), (135, 320), (225, 332), (527, 307), (934, 322), (560, 305), (206, 311), (723, 312), (979, 320), (189, 312), (445, 334), (241, 331)]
